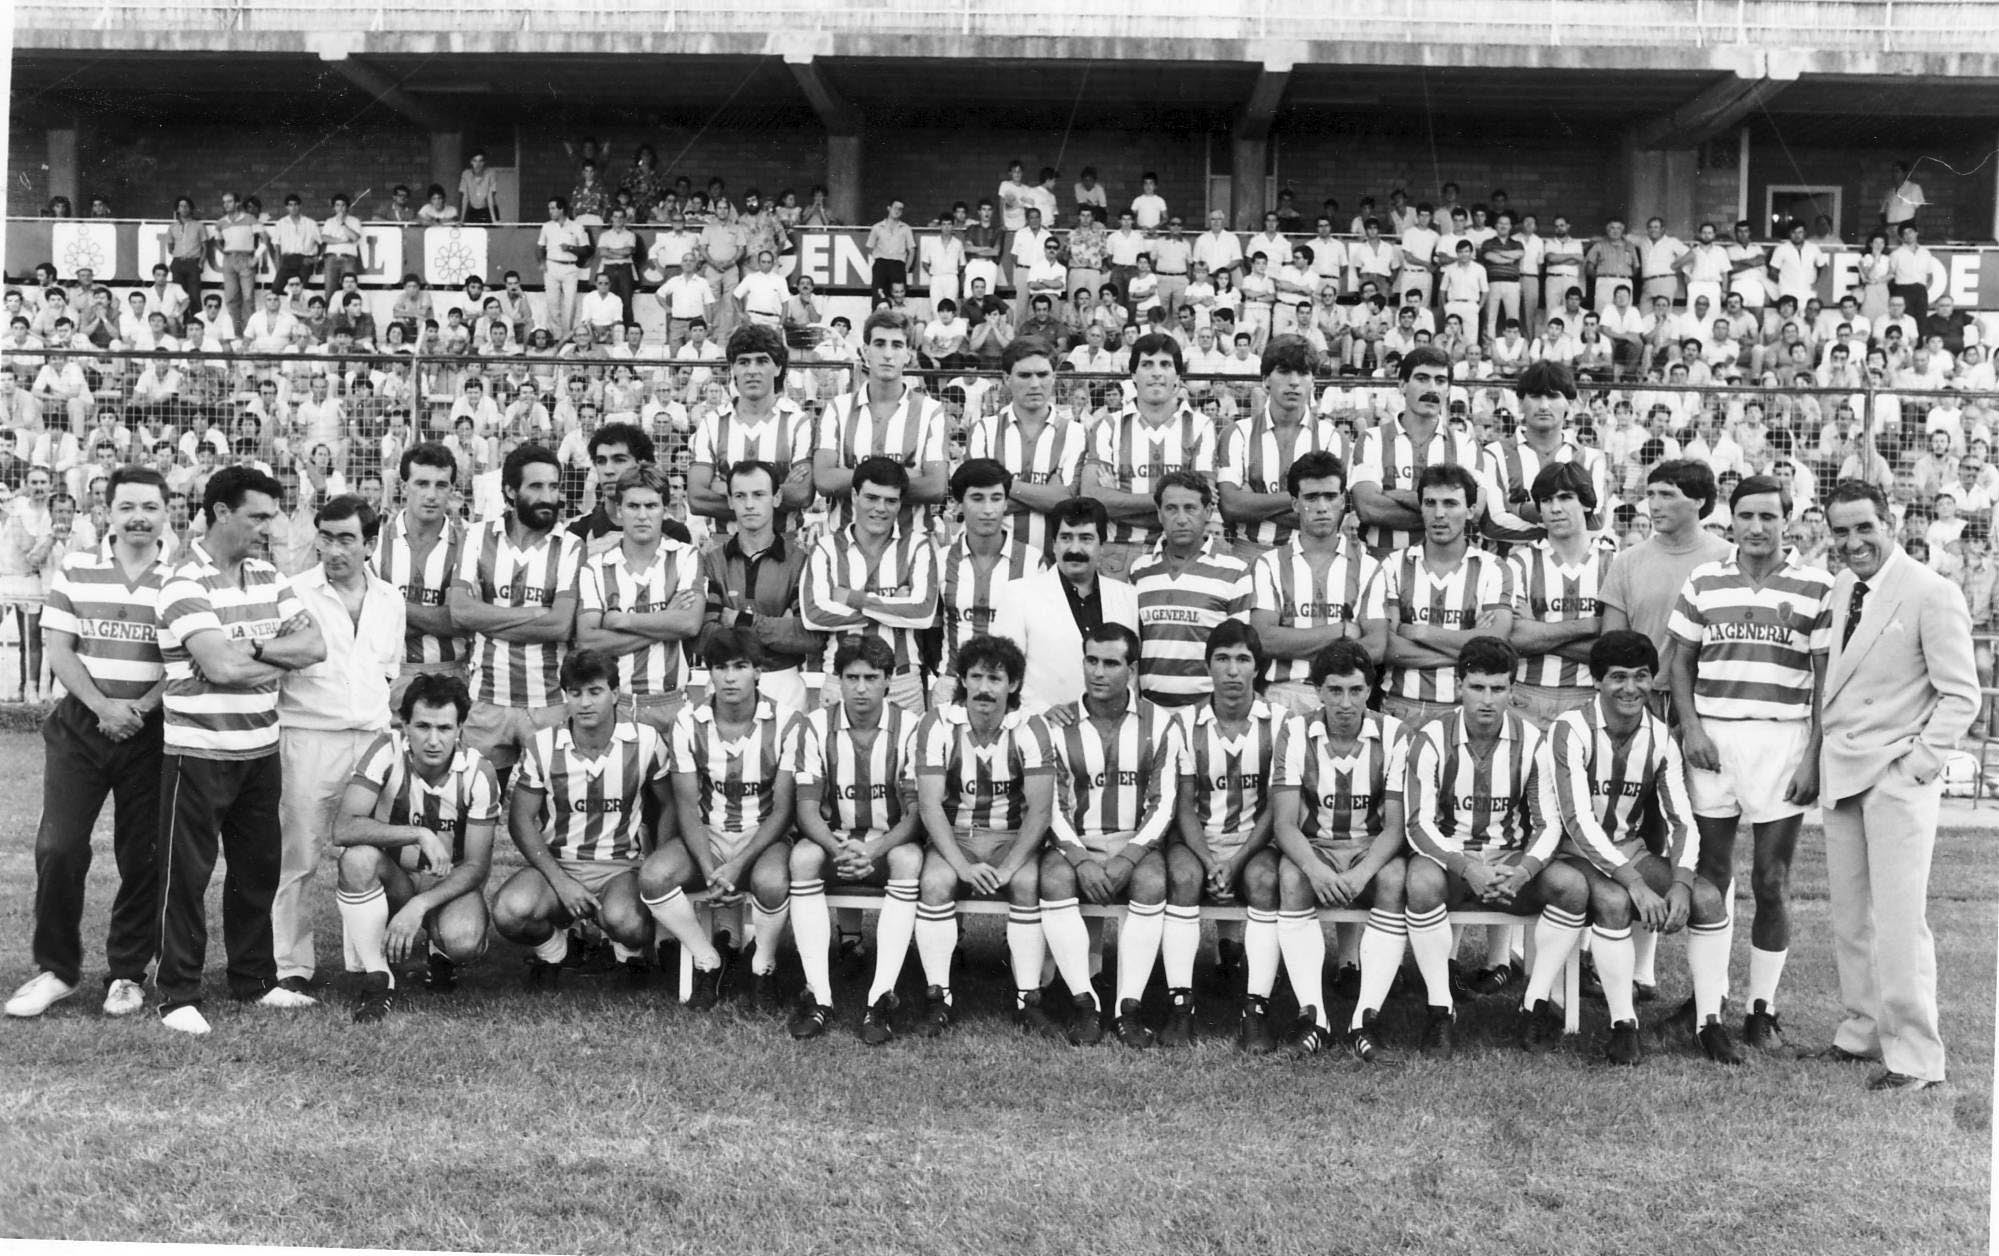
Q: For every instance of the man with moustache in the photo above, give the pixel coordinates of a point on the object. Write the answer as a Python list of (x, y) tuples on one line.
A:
[(1052, 611), (1394, 455), (1900, 691), (100, 625)]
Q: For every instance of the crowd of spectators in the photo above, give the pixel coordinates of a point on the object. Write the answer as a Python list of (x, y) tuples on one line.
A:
[(1719, 349)]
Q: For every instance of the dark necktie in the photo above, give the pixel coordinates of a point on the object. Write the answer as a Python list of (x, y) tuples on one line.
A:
[(1853, 607)]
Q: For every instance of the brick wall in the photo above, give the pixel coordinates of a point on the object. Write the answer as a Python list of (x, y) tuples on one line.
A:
[(1578, 178), (1959, 208), (27, 174)]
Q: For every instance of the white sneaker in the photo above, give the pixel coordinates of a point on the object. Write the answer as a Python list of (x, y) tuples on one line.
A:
[(279, 997), (123, 997), (186, 1020), (41, 992)]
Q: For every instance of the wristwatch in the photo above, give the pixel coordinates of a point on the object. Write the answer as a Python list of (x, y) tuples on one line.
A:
[(257, 650)]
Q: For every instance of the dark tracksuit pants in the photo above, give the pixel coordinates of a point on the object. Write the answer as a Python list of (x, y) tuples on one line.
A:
[(206, 805), (81, 767)]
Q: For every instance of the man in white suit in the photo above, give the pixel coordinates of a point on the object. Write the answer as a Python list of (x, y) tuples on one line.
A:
[(1048, 612), (1900, 691)]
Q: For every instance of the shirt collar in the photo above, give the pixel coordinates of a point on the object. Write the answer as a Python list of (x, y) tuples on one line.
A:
[(957, 713), (1258, 710), (621, 731), (704, 712), (1370, 728), (733, 547)]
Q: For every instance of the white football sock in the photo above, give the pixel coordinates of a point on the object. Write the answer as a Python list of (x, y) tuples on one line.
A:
[(364, 921), (1260, 953), (812, 931), (1766, 968), (893, 929), (1303, 943), (1068, 942), (676, 915), (1381, 946), (936, 941), (1613, 969), (767, 926), (1179, 944), (1138, 948), (1707, 963), (1556, 935), (1430, 943)]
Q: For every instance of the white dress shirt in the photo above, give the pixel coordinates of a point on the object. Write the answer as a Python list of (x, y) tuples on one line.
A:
[(348, 690)]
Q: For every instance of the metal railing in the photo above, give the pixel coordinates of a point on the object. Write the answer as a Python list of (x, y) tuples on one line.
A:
[(1859, 25)]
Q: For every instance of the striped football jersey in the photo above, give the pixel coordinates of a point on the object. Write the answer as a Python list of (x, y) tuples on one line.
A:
[(1120, 777), (1136, 455), (116, 622), (1252, 457), (1230, 777), (912, 434), (859, 790), (594, 809), (1459, 803), (1055, 457), (510, 673), (1754, 646), (204, 718), (1512, 464), (610, 584), (1412, 593), (1177, 612), (1342, 799), (723, 439), (985, 787), (737, 780), (1388, 457), (428, 585), (467, 793), (904, 578), (1546, 592), (1597, 793), (965, 593), (1347, 592)]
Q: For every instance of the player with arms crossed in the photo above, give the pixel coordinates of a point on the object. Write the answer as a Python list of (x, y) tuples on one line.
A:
[(1028, 437), (974, 569), (420, 810), (875, 577), (1132, 451), (1753, 633), (857, 815), (734, 760), (642, 598), (886, 416), (1440, 594), (578, 817), (1475, 827), (1556, 612), (1228, 746), (1315, 589), (1336, 798), (1601, 770), (763, 426), (1117, 763), (985, 791)]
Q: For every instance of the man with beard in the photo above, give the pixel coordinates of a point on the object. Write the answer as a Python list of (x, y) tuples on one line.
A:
[(515, 591), (101, 627)]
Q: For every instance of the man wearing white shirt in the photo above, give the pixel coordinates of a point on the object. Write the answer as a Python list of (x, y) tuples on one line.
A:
[(944, 338), (1909, 268), (602, 311), (298, 243), (1375, 259), (1625, 327), (1297, 283), (1121, 250), (1420, 259), (1014, 198), (1705, 267), (473, 403), (1660, 254), (1270, 242), (1329, 256), (699, 349), (1904, 198), (1462, 285), (1217, 248), (1091, 357), (271, 328), (1148, 208), (686, 297), (1172, 262), (1747, 265), (341, 236), (943, 259), (1042, 197), (1049, 612), (330, 712), (1795, 265), (763, 293)]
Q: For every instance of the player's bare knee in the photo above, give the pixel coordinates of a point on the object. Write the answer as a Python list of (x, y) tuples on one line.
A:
[(1148, 882), (1058, 878), (1185, 879), (905, 862), (1564, 888), (359, 868), (664, 871), (1609, 904), (1707, 905), (462, 938), (938, 884), (808, 861), (1391, 885), (1423, 886), (1770, 883)]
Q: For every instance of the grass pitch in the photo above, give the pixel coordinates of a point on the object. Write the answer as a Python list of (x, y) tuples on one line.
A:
[(598, 1120)]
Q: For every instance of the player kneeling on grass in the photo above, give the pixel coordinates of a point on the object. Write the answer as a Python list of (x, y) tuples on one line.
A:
[(857, 814), (1475, 824), (1116, 765), (578, 817), (1337, 802), (985, 790), (419, 811), (1228, 745), (1602, 770), (734, 760)]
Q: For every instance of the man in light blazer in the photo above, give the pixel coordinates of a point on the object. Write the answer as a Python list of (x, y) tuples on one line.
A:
[(1899, 692), (1047, 612)]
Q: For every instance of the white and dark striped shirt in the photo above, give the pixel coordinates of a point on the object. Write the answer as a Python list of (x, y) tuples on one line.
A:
[(1136, 456), (904, 578), (115, 621), (912, 434), (1251, 458), (1754, 646), (1459, 803), (1388, 457), (610, 584), (737, 779), (965, 594), (985, 786), (1231, 778), (783, 439), (1412, 593), (1177, 612), (593, 809), (1342, 799), (1595, 792), (509, 673), (1546, 592), (1347, 592), (430, 585), (1123, 778), (859, 789), (206, 719), (1056, 457), (465, 795)]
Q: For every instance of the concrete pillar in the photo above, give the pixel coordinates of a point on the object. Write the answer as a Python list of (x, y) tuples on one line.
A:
[(1660, 182), (843, 181), (447, 162), (65, 167), (1249, 168)]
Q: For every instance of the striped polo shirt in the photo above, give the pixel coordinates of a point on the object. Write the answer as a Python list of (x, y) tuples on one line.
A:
[(1412, 593), (1459, 803), (115, 621), (466, 794), (611, 584), (1120, 778), (395, 562), (1136, 455), (1595, 793), (1342, 799), (1347, 592), (985, 786), (858, 790), (207, 720), (1251, 458), (1177, 612), (965, 594), (1546, 592), (509, 673), (1754, 646), (593, 809), (1389, 457), (737, 780), (1055, 457), (1230, 776), (912, 434), (783, 439), (904, 577)]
